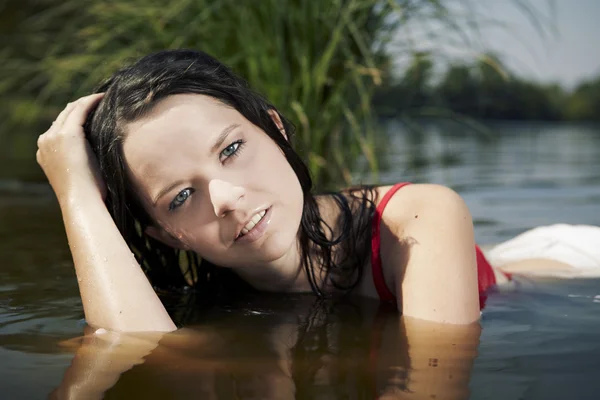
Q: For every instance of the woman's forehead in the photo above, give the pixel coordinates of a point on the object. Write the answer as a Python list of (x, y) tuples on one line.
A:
[(184, 109), (179, 126), (189, 118)]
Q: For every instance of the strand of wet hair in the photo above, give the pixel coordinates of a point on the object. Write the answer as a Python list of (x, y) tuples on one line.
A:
[(353, 229)]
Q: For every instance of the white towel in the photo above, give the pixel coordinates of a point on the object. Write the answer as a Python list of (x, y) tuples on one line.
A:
[(576, 245)]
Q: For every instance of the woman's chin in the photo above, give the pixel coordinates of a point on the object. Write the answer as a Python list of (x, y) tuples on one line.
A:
[(278, 246)]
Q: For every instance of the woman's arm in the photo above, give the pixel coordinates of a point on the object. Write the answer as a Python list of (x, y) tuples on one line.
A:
[(115, 293), (431, 254)]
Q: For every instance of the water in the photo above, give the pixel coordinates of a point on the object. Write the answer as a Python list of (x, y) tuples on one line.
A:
[(539, 340)]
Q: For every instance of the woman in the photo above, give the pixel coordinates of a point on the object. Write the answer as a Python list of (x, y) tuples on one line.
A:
[(176, 156)]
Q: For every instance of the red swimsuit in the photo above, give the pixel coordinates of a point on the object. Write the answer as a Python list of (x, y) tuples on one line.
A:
[(485, 273)]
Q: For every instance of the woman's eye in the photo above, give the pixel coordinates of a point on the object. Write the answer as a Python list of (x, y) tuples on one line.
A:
[(231, 150), (180, 198)]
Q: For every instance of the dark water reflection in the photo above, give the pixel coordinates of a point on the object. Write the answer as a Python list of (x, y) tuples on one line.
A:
[(539, 339), (276, 347)]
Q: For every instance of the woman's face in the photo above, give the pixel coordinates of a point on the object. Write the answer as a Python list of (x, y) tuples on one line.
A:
[(206, 175)]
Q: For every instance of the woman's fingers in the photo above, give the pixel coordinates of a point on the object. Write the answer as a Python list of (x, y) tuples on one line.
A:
[(64, 148), (64, 114), (84, 105)]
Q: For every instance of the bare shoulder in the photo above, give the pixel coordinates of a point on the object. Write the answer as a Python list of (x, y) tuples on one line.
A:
[(428, 253), (418, 201)]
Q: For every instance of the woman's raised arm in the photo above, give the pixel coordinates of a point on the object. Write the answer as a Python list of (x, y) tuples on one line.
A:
[(115, 293)]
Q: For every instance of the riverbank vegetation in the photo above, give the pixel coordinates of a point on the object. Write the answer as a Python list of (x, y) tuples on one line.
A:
[(327, 65), (483, 89)]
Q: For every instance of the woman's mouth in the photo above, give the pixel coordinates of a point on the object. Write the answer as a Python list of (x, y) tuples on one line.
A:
[(255, 228)]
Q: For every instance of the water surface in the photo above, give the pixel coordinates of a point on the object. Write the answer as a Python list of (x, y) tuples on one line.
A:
[(539, 340)]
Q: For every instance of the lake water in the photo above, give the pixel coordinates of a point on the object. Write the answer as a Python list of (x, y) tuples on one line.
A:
[(538, 340)]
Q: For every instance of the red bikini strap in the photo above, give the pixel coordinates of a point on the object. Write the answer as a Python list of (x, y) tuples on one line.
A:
[(378, 278)]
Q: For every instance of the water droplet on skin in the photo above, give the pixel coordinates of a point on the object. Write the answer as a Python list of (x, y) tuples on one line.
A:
[(105, 259), (79, 280)]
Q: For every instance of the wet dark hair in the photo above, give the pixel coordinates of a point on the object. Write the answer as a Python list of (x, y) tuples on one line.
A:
[(132, 92)]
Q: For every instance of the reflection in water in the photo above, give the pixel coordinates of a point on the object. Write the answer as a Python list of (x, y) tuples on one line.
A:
[(322, 351)]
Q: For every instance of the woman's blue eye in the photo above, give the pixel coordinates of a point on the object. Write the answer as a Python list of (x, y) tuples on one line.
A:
[(180, 198), (232, 149)]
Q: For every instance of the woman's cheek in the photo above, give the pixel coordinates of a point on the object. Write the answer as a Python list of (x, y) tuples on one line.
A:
[(186, 220), (247, 158)]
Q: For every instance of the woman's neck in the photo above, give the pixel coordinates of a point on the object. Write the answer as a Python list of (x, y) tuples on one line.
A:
[(282, 275)]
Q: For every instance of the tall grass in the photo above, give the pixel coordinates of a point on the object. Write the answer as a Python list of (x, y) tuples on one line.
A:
[(318, 61)]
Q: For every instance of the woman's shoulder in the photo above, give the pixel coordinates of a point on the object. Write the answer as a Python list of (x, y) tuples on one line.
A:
[(409, 204), (417, 201)]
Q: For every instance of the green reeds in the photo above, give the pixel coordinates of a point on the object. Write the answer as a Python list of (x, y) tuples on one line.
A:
[(318, 61)]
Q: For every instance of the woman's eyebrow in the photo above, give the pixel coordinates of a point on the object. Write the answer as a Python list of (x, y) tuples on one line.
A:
[(223, 136), (165, 191)]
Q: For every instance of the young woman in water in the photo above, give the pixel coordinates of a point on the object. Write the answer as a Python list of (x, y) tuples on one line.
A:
[(176, 173)]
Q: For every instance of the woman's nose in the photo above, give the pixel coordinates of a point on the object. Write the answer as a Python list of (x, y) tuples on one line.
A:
[(224, 196)]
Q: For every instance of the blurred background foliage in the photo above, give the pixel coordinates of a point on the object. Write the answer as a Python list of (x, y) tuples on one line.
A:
[(483, 89), (318, 61), (327, 65)]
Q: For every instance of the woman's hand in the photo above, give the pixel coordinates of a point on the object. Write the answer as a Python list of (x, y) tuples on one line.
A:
[(66, 156)]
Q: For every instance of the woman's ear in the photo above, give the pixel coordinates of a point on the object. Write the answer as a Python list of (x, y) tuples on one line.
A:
[(165, 237), (277, 120)]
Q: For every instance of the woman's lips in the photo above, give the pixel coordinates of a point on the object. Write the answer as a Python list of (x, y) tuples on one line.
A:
[(258, 231)]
